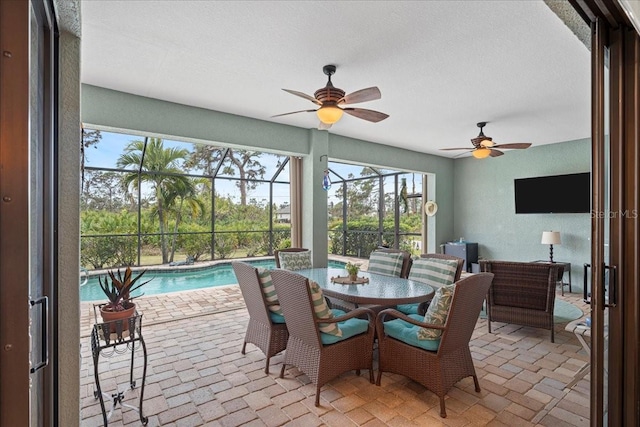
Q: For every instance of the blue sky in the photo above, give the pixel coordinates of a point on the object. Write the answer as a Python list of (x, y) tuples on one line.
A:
[(112, 146)]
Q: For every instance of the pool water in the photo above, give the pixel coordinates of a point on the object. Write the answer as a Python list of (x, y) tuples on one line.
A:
[(165, 282)]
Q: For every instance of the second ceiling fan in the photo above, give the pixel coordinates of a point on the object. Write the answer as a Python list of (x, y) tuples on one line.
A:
[(485, 147), (330, 99)]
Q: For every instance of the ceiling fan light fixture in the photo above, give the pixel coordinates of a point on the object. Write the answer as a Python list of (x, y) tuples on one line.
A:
[(487, 143), (329, 114), (481, 153)]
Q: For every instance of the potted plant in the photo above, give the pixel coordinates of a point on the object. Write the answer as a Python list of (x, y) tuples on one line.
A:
[(118, 293), (353, 270)]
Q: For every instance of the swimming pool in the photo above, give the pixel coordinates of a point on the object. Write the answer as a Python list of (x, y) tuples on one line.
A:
[(184, 280)]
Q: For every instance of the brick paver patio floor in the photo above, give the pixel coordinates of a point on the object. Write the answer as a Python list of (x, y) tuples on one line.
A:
[(197, 376)]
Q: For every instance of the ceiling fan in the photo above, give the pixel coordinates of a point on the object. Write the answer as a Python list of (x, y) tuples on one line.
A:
[(330, 99), (485, 147)]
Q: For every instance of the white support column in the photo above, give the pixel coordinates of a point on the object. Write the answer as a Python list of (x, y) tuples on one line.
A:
[(314, 198)]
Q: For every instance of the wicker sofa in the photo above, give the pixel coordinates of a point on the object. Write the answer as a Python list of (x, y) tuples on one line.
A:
[(523, 293)]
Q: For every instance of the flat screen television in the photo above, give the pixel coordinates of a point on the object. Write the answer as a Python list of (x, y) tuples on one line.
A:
[(570, 193)]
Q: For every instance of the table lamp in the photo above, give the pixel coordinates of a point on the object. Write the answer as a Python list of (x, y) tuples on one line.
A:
[(550, 238)]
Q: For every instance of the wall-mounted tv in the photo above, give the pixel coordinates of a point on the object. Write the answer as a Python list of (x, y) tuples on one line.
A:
[(569, 193)]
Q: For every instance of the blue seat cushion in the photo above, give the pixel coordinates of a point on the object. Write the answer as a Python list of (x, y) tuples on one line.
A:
[(408, 333), (276, 318), (349, 328), (408, 308)]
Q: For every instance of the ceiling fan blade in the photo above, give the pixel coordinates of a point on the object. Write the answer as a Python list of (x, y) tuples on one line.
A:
[(450, 149), (369, 115), (303, 95), (495, 153), (293, 112), (520, 145), (324, 126), (362, 95), (462, 154)]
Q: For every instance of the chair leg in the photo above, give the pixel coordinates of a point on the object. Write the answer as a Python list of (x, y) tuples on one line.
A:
[(476, 383), (443, 411), (379, 376), (358, 372), (552, 331), (489, 324), (244, 347), (266, 369), (317, 395), (282, 371), (371, 375)]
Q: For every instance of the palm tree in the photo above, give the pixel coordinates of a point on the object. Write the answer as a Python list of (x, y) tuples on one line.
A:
[(161, 162), (185, 191)]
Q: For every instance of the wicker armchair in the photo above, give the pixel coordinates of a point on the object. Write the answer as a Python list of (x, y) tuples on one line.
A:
[(441, 369), (270, 337), (277, 251), (523, 293), (320, 362)]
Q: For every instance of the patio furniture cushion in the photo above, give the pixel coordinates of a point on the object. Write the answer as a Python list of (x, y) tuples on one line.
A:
[(408, 333), (295, 260), (434, 272), (276, 318), (408, 308), (349, 328), (437, 312), (389, 264), (269, 291), (322, 310)]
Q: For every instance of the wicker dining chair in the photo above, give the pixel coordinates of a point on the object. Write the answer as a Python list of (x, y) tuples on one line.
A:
[(270, 336), (277, 251), (441, 368), (406, 260), (305, 348), (422, 307)]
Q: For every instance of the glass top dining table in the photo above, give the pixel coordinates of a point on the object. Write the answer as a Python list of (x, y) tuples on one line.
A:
[(381, 290)]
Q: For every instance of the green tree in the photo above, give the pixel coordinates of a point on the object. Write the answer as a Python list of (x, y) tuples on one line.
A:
[(182, 193), (246, 163), (160, 161)]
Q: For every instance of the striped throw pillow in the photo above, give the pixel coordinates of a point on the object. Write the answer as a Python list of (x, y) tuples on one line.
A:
[(322, 310), (437, 312), (434, 271), (389, 264), (295, 260), (269, 291)]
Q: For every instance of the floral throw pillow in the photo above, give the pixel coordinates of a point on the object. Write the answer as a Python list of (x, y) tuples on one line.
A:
[(269, 291), (295, 260), (437, 312), (322, 310)]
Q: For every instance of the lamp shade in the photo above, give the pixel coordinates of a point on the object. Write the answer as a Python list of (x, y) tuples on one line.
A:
[(329, 114), (551, 238), (481, 153)]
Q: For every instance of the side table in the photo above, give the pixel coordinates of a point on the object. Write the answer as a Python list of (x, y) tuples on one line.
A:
[(566, 270), (126, 338), (581, 330)]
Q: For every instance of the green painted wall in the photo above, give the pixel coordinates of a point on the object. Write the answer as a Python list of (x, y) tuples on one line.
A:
[(118, 111), (484, 206)]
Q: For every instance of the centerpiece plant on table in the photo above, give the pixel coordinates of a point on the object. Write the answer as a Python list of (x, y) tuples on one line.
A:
[(352, 269)]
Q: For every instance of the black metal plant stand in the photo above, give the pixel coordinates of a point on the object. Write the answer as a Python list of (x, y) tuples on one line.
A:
[(118, 337)]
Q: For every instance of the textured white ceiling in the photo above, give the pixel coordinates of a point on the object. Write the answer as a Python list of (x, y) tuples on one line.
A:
[(441, 66)]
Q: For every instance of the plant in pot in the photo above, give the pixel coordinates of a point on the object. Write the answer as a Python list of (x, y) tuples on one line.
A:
[(118, 293), (353, 270)]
